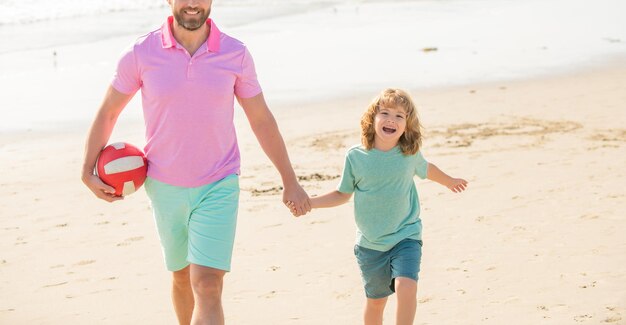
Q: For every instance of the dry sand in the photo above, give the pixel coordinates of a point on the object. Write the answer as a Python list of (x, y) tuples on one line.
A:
[(536, 239)]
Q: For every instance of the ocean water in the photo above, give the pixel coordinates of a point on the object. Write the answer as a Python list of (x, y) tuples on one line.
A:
[(304, 50), (71, 21), (28, 11)]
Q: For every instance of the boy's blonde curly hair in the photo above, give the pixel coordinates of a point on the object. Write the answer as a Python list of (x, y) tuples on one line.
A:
[(411, 140)]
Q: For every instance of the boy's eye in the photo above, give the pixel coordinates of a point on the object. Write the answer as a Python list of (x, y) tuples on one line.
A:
[(384, 113), (400, 116)]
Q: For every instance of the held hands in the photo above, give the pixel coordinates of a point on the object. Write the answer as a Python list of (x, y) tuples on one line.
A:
[(101, 190), (296, 200), (292, 208), (457, 185)]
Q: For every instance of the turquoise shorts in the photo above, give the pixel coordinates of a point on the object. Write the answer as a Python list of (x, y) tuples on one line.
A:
[(379, 269), (196, 225)]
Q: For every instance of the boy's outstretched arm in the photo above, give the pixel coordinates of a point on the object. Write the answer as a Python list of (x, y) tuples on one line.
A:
[(435, 174), (328, 200)]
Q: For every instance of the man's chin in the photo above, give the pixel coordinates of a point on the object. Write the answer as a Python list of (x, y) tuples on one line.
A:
[(191, 27), (190, 24)]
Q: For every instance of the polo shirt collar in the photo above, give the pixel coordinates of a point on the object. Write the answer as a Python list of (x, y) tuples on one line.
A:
[(168, 40)]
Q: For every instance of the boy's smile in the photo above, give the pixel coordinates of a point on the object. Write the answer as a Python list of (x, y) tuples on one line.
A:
[(389, 130), (389, 124)]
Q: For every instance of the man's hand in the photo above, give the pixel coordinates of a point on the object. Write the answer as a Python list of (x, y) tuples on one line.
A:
[(101, 190)]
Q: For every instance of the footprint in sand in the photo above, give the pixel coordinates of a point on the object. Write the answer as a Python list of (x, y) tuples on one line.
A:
[(129, 241), (582, 318), (612, 138), (257, 207), (269, 295), (610, 135), (275, 190), (424, 300), (54, 284), (315, 177), (464, 135), (331, 140), (591, 285)]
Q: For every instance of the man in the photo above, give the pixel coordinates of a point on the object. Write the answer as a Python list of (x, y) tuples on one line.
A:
[(189, 73)]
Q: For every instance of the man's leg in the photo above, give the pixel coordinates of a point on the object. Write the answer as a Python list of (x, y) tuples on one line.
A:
[(207, 285), (406, 289), (374, 309), (182, 296)]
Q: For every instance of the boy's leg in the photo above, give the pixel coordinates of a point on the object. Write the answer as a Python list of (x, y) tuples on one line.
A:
[(374, 309), (182, 295), (376, 276), (207, 286), (406, 289), (405, 267)]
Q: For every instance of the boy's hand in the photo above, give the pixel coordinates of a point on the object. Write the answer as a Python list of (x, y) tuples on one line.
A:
[(292, 208), (457, 185)]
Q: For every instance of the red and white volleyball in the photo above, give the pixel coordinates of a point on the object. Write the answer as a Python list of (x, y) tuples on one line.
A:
[(122, 166)]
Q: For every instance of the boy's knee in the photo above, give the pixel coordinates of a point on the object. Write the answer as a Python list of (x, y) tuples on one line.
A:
[(376, 303), (405, 286)]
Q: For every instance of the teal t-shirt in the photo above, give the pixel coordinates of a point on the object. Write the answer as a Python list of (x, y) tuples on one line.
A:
[(386, 204)]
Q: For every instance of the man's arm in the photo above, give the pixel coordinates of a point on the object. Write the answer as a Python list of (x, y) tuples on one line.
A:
[(266, 131), (101, 129)]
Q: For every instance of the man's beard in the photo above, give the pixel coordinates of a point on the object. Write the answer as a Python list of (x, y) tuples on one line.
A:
[(191, 24)]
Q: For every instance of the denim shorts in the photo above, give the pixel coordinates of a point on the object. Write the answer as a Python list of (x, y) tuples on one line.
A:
[(196, 224), (379, 269)]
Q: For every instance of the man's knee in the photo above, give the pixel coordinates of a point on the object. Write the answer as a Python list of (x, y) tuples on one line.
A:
[(207, 282), (181, 278)]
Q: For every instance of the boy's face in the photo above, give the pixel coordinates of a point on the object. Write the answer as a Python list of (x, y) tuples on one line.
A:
[(190, 14), (389, 124)]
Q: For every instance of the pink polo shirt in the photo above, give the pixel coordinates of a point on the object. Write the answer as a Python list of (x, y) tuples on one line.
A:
[(188, 103)]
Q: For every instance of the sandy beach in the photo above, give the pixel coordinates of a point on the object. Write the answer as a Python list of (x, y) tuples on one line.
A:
[(536, 239)]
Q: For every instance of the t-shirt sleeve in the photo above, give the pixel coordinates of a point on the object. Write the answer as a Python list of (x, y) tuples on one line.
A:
[(421, 165), (247, 85), (347, 182), (126, 79)]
